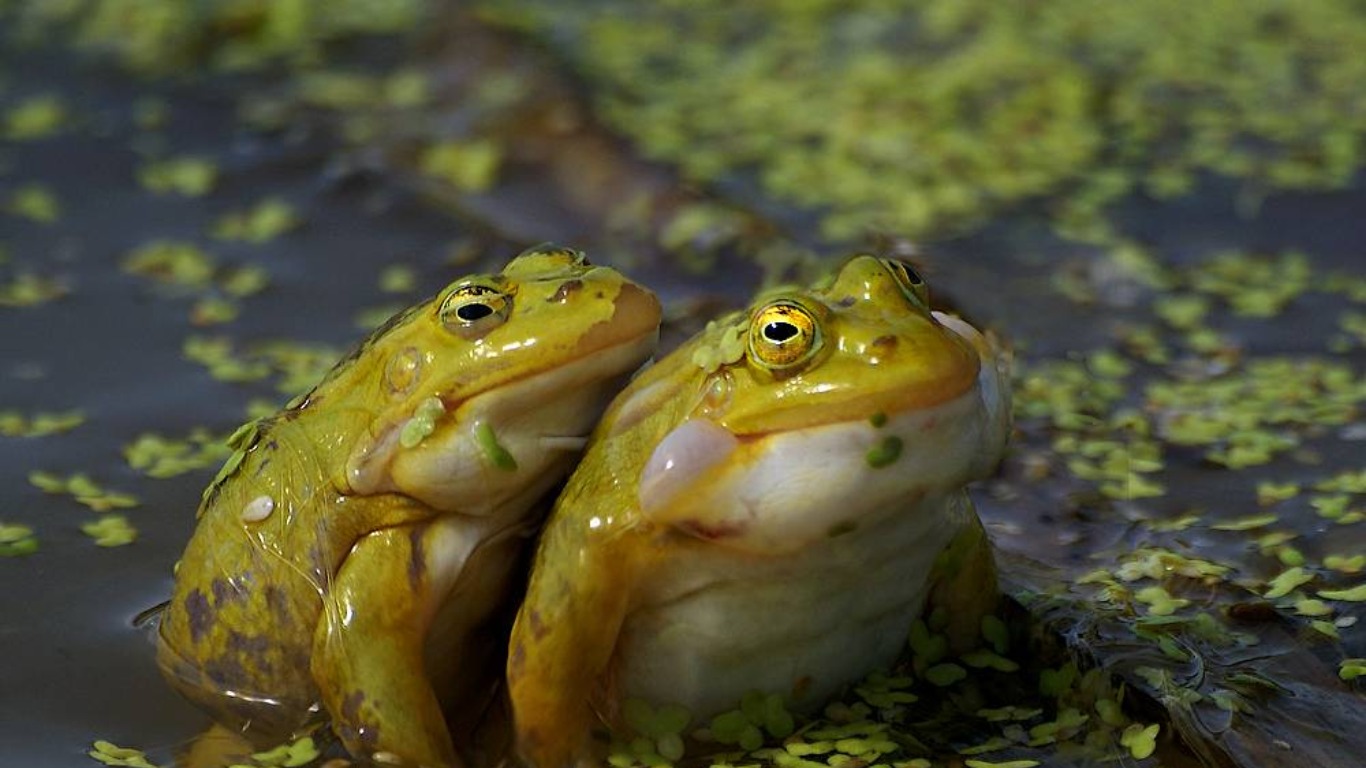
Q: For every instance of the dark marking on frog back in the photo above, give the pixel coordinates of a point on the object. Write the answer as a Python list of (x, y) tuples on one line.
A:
[(200, 614), (417, 559)]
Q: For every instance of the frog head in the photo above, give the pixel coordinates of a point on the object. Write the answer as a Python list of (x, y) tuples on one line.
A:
[(472, 397), (817, 406)]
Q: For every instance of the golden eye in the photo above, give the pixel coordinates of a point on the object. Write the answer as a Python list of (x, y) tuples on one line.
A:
[(782, 335), (472, 310), (912, 284)]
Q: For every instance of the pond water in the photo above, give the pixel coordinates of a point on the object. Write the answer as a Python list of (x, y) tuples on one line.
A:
[(1182, 508)]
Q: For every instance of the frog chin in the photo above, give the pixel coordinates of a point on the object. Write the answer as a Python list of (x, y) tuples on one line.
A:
[(780, 492), (503, 447)]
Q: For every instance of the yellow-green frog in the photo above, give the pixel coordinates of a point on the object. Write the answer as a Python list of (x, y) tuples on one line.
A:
[(767, 508), (353, 553)]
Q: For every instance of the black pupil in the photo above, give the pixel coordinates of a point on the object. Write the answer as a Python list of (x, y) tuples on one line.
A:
[(471, 312), (911, 276), (779, 331)]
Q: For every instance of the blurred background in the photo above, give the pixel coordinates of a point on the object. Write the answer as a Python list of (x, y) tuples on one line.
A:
[(1158, 205)]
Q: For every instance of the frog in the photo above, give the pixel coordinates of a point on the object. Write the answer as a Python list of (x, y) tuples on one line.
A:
[(356, 556), (768, 508)]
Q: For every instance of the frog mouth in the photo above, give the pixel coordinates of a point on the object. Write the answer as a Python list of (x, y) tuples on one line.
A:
[(431, 424)]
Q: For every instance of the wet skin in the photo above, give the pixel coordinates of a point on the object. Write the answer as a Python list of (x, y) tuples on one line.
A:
[(767, 508), (352, 556)]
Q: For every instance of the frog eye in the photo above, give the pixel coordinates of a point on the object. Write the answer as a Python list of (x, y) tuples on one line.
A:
[(783, 335), (912, 284), (473, 310)]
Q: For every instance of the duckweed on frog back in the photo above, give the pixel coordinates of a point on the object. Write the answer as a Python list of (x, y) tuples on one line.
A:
[(354, 550), (768, 508)]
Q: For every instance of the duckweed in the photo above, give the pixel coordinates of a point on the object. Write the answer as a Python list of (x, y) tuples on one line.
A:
[(497, 455), (113, 755), (470, 166), (172, 262), (85, 490), (29, 290), (39, 424), (34, 202), (885, 453), (291, 755), (17, 540), (110, 531), (908, 118), (1356, 594), (161, 457), (261, 223), (1287, 581), (188, 176), (36, 117)]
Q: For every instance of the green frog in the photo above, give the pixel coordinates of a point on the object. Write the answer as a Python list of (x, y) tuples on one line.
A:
[(352, 558), (768, 508)]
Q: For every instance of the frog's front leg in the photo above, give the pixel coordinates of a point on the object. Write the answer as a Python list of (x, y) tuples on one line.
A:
[(561, 647), (964, 577), (369, 644)]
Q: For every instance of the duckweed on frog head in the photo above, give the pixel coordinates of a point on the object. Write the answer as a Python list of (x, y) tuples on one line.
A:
[(744, 479), (340, 538)]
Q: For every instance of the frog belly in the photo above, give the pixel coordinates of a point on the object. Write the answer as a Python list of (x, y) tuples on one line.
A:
[(717, 623)]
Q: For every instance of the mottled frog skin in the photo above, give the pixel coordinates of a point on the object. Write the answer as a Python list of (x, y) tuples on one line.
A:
[(767, 508), (351, 555)]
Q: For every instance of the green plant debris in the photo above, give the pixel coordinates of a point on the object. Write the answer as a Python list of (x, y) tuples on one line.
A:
[(1253, 286), (908, 118), (161, 457), (1344, 563), (36, 117), (113, 755), (110, 531), (371, 318), (469, 166), (1356, 594), (721, 343), (1269, 493), (1140, 739), (35, 202), (85, 490), (497, 455), (423, 423), (884, 692), (291, 755), (1287, 581), (975, 763), (213, 310), (261, 223), (26, 289), (299, 366), (397, 278), (17, 540), (40, 424), (944, 675), (1351, 669), (216, 354), (1159, 601), (172, 262), (1248, 523), (659, 730), (244, 281), (885, 453), (188, 176)]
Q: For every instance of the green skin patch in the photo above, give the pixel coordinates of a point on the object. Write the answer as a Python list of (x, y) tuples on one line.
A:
[(497, 455)]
